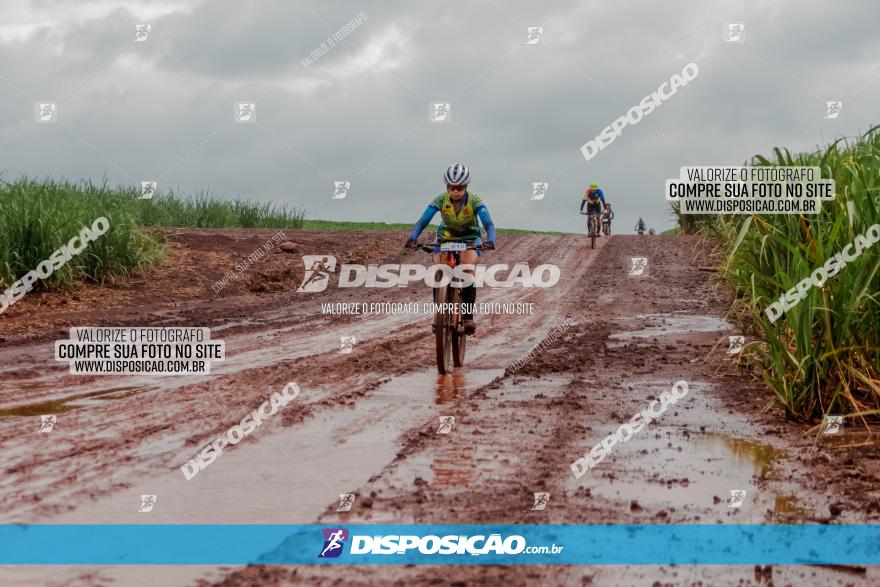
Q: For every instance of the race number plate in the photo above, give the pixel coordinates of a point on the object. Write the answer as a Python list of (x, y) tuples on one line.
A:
[(451, 247)]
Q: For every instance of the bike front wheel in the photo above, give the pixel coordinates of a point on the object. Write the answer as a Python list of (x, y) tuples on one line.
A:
[(459, 338), (443, 333)]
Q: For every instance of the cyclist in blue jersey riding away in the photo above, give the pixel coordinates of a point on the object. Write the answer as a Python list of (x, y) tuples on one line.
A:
[(594, 199), (461, 213)]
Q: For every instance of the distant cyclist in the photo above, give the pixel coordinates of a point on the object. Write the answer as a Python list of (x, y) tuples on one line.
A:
[(461, 213), (640, 226), (594, 199), (607, 217)]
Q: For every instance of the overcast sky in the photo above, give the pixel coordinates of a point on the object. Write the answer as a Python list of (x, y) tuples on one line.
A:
[(163, 109)]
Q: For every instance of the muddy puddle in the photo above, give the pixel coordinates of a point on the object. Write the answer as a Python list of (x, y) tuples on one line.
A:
[(450, 387), (849, 439), (704, 476), (659, 325), (72, 402), (689, 470), (444, 466), (291, 475)]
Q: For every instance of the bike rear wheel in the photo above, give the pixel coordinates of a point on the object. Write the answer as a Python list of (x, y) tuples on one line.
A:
[(459, 338), (443, 333)]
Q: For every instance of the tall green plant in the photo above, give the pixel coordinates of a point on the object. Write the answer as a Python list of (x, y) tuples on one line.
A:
[(823, 355), (38, 216)]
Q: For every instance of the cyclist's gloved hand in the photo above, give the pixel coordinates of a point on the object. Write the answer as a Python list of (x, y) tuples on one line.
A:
[(488, 246), (410, 243)]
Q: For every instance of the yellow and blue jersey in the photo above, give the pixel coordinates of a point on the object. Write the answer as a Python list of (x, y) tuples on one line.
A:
[(463, 225)]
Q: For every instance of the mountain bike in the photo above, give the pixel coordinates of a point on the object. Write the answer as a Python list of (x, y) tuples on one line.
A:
[(606, 226), (449, 335), (592, 227)]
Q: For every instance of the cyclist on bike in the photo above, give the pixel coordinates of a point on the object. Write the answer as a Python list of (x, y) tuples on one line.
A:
[(607, 216), (461, 214), (594, 198), (640, 227)]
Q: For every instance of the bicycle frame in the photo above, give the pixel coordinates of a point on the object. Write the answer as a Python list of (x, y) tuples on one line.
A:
[(451, 340), (593, 220)]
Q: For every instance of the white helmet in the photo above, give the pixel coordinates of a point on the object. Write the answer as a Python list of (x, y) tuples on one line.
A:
[(457, 174)]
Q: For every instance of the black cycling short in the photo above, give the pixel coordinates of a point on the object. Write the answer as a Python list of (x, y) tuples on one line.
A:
[(594, 208)]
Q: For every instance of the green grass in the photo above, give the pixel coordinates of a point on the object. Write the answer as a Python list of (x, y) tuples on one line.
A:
[(823, 355), (206, 211), (339, 225), (38, 216)]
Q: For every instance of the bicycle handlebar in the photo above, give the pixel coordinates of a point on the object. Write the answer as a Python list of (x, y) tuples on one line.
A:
[(430, 248)]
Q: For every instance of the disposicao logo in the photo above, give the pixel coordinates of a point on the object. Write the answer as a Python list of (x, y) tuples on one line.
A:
[(334, 540), (318, 269), (317, 272)]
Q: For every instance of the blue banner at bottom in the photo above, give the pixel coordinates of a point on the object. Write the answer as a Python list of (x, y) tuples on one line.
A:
[(397, 544)]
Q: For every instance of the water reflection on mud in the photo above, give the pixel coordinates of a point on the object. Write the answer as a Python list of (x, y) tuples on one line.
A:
[(449, 387)]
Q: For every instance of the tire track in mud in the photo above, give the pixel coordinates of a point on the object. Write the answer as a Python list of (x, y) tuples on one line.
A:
[(518, 435), (140, 432), (513, 435), (154, 433)]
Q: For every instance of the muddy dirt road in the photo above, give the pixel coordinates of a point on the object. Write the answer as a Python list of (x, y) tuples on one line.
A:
[(366, 422)]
